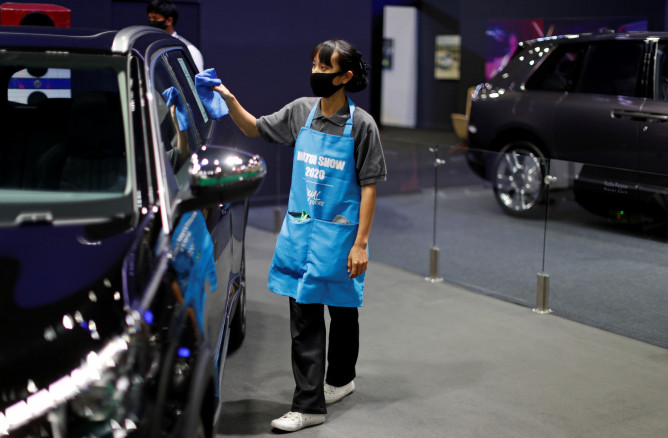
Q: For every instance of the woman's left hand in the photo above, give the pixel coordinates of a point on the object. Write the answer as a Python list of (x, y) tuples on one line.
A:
[(357, 261)]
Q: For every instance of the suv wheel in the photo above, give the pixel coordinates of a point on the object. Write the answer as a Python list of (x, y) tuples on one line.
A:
[(518, 178)]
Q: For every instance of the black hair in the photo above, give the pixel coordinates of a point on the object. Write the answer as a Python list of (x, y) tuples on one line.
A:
[(165, 8), (349, 59)]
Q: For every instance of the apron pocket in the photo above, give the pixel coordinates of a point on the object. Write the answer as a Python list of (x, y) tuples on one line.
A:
[(328, 255), (292, 245)]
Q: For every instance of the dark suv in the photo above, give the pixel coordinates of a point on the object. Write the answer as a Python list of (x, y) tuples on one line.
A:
[(123, 208), (598, 102)]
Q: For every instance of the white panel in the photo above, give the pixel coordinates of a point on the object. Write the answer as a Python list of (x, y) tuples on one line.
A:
[(399, 77)]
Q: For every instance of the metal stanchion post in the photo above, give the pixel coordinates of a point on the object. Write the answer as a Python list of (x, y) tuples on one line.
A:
[(542, 293), (433, 265), (278, 220), (434, 251), (543, 280)]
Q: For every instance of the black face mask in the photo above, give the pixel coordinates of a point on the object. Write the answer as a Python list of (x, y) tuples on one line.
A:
[(160, 24), (322, 85)]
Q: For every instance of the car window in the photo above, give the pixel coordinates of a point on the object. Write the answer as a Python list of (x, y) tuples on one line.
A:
[(661, 76), (186, 76), (63, 124), (559, 71), (612, 68), (178, 135), (144, 165)]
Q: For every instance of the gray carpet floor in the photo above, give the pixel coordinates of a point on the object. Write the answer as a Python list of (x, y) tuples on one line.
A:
[(438, 360)]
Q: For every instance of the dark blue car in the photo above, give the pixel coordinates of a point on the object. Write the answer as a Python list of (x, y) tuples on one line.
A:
[(123, 207)]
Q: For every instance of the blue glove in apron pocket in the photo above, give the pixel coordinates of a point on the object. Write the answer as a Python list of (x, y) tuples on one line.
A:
[(292, 246)]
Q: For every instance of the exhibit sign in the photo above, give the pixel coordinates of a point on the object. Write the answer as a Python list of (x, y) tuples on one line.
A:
[(447, 57)]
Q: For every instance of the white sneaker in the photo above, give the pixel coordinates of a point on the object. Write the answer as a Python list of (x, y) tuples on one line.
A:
[(293, 421), (336, 393)]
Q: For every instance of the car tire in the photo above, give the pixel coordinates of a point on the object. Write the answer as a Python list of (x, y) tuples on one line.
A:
[(518, 178)]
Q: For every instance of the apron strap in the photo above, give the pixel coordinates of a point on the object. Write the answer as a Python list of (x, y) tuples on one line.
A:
[(347, 131), (311, 115)]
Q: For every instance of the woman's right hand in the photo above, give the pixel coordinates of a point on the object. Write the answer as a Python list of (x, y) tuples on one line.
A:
[(223, 91), (242, 118)]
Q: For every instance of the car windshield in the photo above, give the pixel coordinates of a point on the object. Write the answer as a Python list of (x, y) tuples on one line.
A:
[(63, 139)]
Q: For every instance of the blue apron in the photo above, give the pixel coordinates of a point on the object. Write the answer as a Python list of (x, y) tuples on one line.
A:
[(311, 257)]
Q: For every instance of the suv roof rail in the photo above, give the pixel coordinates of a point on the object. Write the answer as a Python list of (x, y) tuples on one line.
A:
[(125, 37)]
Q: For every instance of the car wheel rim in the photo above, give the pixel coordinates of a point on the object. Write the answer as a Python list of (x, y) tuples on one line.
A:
[(519, 180)]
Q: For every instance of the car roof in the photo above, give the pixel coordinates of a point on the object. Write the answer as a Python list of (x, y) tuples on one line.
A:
[(44, 38), (602, 36)]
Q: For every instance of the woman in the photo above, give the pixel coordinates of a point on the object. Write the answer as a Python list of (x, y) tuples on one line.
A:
[(321, 251)]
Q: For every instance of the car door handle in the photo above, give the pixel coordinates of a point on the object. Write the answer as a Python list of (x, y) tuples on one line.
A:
[(639, 115)]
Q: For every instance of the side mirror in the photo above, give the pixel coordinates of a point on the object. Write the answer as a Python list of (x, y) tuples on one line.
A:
[(220, 175)]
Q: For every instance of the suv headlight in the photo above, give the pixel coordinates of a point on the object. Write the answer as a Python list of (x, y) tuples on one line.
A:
[(98, 402), (93, 391)]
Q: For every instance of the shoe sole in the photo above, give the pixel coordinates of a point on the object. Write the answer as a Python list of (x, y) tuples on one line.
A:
[(315, 423)]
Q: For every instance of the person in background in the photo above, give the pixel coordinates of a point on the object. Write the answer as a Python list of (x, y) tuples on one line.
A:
[(164, 15), (321, 252)]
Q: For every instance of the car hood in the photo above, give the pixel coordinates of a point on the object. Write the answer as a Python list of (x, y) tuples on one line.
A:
[(61, 296)]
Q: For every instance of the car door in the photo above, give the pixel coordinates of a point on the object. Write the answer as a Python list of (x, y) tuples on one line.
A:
[(182, 124), (218, 218), (594, 122), (653, 118)]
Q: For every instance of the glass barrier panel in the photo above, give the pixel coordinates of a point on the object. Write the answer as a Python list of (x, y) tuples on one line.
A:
[(403, 224), (597, 233), (490, 240), (605, 249)]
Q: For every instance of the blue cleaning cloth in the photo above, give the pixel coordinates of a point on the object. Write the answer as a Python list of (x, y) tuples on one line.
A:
[(213, 102), (173, 97), (193, 262)]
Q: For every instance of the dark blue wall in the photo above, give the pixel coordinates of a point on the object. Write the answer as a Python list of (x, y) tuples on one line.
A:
[(261, 50)]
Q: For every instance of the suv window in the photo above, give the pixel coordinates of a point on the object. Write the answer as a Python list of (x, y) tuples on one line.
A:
[(661, 77), (559, 71), (63, 124), (185, 75), (177, 132), (610, 69)]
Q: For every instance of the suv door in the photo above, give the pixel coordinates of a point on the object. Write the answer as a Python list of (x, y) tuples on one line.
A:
[(594, 121), (653, 119), (173, 69)]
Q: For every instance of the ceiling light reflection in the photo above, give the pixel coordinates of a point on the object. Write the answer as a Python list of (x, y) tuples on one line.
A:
[(64, 389), (68, 322)]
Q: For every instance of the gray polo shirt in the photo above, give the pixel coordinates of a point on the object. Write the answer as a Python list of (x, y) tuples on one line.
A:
[(283, 127)]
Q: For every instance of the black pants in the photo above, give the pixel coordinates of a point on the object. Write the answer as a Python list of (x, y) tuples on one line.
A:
[(309, 343)]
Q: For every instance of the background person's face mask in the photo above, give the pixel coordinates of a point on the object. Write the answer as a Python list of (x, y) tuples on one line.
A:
[(322, 83), (160, 24)]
